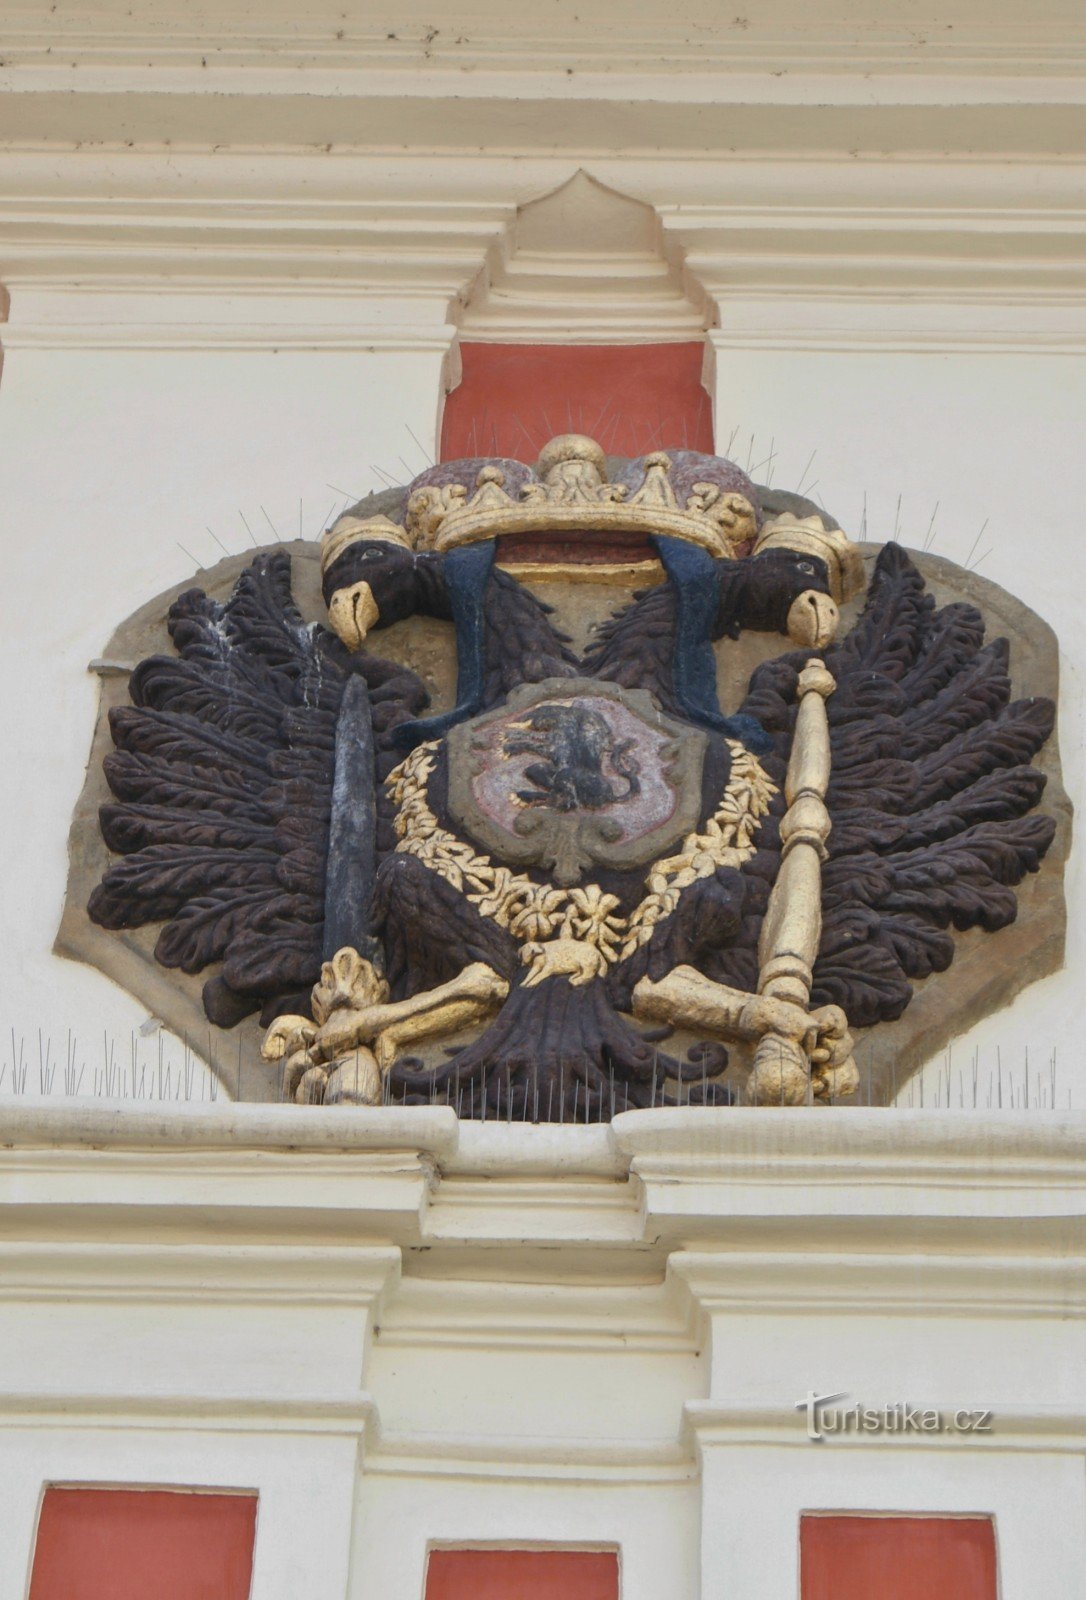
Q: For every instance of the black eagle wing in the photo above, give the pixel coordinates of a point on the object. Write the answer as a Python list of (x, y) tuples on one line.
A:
[(932, 794), (222, 775)]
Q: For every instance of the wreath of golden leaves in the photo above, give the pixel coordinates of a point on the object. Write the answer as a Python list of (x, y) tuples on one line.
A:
[(537, 912)]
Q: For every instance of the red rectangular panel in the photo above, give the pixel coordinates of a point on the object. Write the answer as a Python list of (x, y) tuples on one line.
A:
[(522, 1575), (897, 1558), (143, 1544), (512, 398)]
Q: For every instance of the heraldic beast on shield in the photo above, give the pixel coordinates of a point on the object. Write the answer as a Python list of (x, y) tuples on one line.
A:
[(584, 887)]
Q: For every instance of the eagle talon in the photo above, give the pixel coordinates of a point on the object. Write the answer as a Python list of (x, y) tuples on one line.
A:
[(311, 1087), (356, 1081), (287, 1036)]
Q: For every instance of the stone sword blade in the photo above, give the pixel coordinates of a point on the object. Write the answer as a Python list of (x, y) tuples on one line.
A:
[(349, 875)]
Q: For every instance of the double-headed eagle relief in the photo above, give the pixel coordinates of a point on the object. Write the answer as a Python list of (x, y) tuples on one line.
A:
[(577, 884)]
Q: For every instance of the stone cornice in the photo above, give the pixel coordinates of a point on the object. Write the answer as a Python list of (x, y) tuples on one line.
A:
[(1041, 1140), (613, 1461), (711, 1423), (657, 1237), (865, 1183), (351, 1416), (225, 1274), (897, 1283), (586, 116), (173, 250), (421, 1130), (458, 39), (883, 1144), (961, 1171), (657, 38)]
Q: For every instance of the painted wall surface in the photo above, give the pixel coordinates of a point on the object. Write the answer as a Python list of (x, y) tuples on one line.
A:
[(903, 1558), (489, 1574), (120, 1544)]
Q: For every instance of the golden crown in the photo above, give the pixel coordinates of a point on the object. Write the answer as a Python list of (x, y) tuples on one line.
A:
[(810, 536), (348, 530), (572, 495)]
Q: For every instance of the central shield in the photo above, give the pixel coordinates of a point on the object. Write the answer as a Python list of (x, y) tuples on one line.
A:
[(571, 773)]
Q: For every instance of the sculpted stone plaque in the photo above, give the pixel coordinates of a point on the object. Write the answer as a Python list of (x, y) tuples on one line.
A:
[(699, 826)]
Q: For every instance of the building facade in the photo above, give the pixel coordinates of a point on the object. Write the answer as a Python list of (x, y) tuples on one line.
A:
[(257, 270)]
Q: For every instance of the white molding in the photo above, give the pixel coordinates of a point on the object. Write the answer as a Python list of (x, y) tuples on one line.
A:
[(352, 1416), (260, 1242), (711, 1424), (280, 250), (643, 1318), (288, 250), (268, 338), (955, 1158), (431, 1130), (970, 323), (528, 1459), (697, 1167), (657, 35), (520, 113), (551, 1150), (681, 39), (584, 264), (272, 1187), (321, 1275), (621, 1197), (912, 342), (537, 1210), (263, 1166), (893, 1282), (995, 327)]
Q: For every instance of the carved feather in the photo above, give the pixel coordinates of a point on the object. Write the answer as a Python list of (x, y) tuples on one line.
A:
[(431, 930), (634, 648), (222, 774), (932, 794), (522, 644)]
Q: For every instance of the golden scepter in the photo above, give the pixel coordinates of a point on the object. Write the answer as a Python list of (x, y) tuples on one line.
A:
[(785, 1070), (799, 1054)]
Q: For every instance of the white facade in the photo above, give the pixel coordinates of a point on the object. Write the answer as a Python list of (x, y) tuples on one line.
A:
[(405, 1334), (236, 255)]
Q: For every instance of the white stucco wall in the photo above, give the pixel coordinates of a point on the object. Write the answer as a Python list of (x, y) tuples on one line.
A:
[(116, 461)]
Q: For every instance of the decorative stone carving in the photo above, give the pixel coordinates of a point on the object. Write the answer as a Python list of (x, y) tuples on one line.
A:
[(578, 844), (573, 773)]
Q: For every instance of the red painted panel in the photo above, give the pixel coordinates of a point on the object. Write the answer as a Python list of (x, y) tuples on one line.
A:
[(522, 1575), (135, 1544), (898, 1558), (632, 398)]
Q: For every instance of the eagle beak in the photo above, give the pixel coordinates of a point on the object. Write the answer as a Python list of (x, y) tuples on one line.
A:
[(352, 613), (812, 620)]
